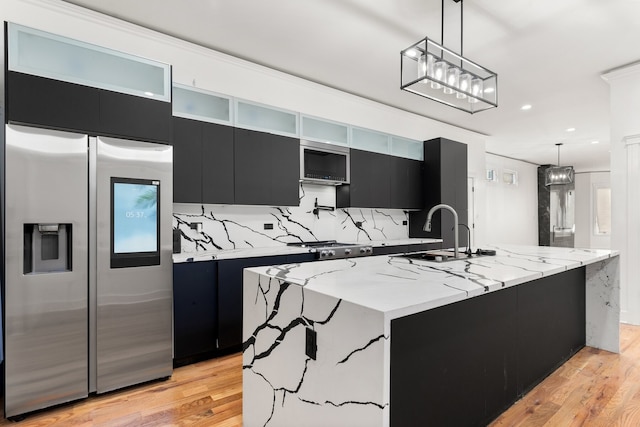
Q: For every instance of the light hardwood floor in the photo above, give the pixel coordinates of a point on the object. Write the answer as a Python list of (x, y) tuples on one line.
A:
[(594, 388)]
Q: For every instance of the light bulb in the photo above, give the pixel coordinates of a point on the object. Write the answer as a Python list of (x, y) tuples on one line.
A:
[(439, 73), (465, 83), (431, 62), (476, 89), (453, 78), (422, 66)]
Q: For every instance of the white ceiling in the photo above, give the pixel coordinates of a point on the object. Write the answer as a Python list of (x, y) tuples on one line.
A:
[(547, 53)]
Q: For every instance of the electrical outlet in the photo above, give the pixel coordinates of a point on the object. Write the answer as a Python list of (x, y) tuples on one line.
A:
[(311, 344), (268, 226)]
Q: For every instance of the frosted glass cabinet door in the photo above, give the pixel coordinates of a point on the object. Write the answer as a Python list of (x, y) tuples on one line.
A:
[(259, 117), (409, 148), (48, 55), (201, 105), (369, 140), (325, 131)]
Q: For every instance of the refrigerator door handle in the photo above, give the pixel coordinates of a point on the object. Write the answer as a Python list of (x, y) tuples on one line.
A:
[(93, 245)]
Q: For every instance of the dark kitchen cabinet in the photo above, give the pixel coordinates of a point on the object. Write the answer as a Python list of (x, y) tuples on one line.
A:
[(217, 164), (130, 116), (54, 104), (267, 169), (195, 309), (369, 184), (187, 164), (444, 181), (381, 181), (406, 183), (498, 345), (230, 296), (202, 162), (551, 325), (230, 293)]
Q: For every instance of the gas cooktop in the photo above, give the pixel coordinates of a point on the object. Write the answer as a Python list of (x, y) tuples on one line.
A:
[(330, 249)]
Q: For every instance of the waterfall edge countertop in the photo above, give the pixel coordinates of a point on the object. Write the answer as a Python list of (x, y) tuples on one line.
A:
[(398, 286), (280, 250), (385, 341)]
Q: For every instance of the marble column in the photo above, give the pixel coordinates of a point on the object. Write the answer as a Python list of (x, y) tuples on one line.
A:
[(625, 183)]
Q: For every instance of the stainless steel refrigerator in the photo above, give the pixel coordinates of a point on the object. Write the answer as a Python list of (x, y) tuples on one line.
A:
[(88, 268)]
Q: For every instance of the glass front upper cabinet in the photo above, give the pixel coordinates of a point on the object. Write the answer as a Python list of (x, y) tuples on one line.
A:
[(409, 148), (324, 131), (201, 105), (369, 140), (48, 55), (265, 118)]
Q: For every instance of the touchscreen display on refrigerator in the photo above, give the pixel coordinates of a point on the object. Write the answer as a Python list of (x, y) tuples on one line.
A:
[(135, 222)]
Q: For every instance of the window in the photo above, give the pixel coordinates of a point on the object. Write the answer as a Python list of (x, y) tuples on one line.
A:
[(602, 210)]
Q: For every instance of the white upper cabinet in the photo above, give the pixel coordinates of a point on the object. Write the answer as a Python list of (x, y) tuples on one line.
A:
[(48, 55)]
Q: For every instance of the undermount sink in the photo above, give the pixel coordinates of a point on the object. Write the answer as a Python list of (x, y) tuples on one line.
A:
[(444, 255)]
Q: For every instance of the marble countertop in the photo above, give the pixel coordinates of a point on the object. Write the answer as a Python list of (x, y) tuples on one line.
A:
[(238, 253), (399, 286), (280, 250), (402, 242)]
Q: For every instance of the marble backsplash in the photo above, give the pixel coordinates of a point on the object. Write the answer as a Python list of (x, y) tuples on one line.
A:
[(237, 227)]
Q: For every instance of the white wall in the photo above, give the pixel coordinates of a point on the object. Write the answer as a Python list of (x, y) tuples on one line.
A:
[(625, 190), (511, 211), (207, 69), (584, 212)]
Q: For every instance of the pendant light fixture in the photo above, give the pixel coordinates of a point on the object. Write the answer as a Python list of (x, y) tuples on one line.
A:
[(558, 175), (431, 70)]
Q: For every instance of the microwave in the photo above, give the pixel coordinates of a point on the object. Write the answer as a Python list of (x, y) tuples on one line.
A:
[(325, 164)]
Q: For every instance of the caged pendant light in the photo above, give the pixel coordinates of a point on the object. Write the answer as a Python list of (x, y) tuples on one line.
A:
[(558, 175), (431, 70)]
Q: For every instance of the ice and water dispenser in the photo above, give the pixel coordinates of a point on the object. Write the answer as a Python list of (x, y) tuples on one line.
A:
[(47, 248)]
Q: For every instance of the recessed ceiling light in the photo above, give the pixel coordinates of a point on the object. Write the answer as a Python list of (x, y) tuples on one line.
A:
[(571, 129), (526, 107), (595, 142)]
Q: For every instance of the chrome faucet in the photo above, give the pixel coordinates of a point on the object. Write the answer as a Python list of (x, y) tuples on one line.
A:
[(427, 225)]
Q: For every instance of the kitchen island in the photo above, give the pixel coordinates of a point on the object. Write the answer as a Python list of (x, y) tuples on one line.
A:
[(392, 341)]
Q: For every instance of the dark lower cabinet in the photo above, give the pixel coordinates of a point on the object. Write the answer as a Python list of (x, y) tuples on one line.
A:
[(551, 325), (230, 293), (465, 363), (195, 309)]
